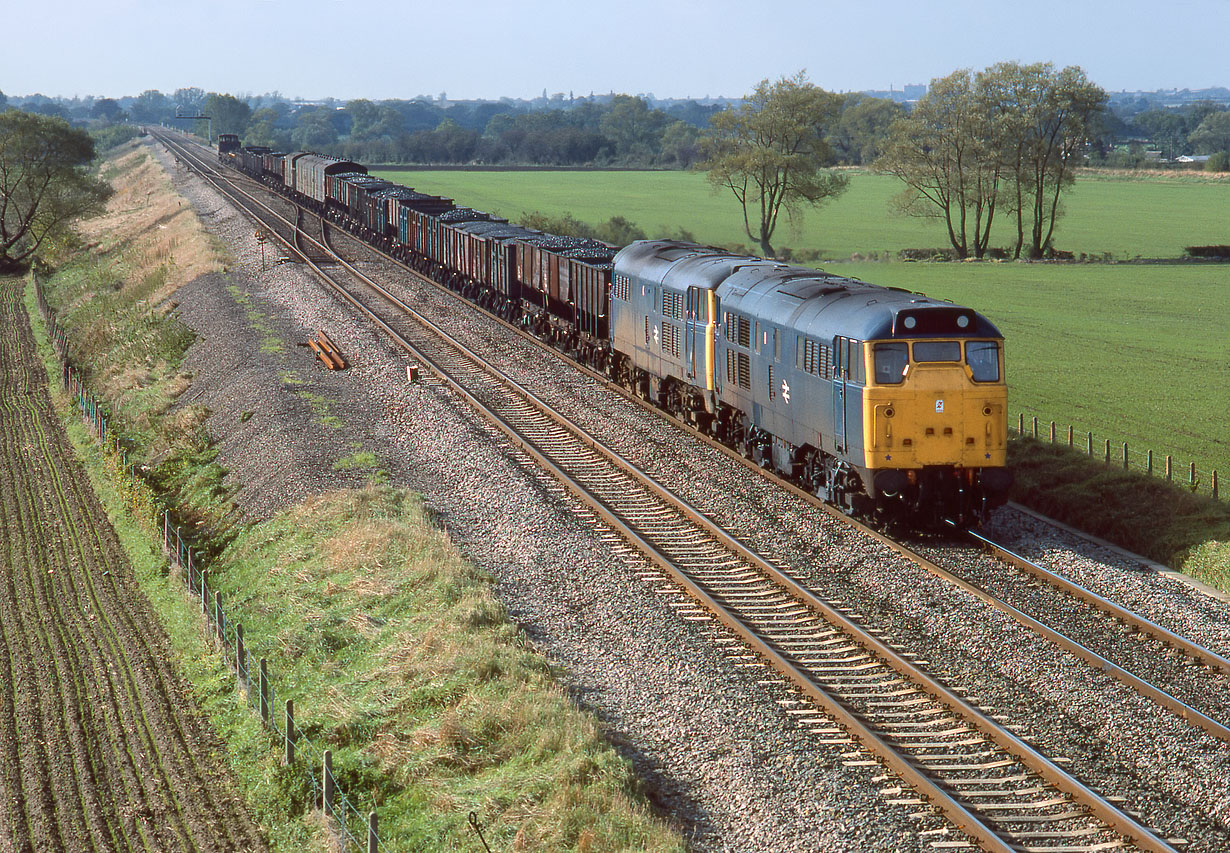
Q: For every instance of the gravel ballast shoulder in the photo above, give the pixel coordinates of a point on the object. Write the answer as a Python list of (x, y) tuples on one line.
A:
[(706, 732)]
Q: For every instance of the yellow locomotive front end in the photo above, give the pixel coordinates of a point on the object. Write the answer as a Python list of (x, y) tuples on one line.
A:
[(935, 427)]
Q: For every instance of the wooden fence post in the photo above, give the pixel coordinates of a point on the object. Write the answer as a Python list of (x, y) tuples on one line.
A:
[(1213, 477), (218, 617), (205, 593), (1052, 432), (1090, 444), (1191, 476), (289, 754), (1150, 463), (372, 840), (264, 691), (327, 784), (240, 658), (1035, 427), (1125, 456), (1108, 451), (1020, 425), (1071, 436), (1169, 472)]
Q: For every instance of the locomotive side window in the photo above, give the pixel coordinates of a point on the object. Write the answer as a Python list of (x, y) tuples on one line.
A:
[(857, 374), (937, 351), (983, 360), (890, 363)]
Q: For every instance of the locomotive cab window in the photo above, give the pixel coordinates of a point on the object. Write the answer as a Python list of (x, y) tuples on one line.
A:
[(891, 361), (983, 360)]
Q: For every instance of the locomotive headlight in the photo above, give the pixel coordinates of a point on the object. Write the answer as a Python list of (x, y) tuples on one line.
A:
[(962, 321), (986, 410), (910, 322), (889, 412)]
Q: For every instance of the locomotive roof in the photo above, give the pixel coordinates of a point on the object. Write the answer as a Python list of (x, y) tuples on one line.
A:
[(675, 264), (801, 298)]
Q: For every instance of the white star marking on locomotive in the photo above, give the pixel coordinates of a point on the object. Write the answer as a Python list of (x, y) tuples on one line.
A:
[(786, 392)]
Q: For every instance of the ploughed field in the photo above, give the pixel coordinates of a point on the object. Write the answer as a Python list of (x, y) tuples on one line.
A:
[(101, 747)]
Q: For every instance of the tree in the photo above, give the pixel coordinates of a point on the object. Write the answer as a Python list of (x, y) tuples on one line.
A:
[(1167, 128), (634, 127), (943, 154), (189, 101), (770, 152), (862, 132), (1057, 116), (230, 115), (681, 144), (314, 129), (1011, 136), (1213, 134), (107, 109), (151, 106), (43, 183)]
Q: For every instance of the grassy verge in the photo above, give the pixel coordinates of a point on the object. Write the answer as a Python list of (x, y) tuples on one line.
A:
[(1142, 513), (396, 652)]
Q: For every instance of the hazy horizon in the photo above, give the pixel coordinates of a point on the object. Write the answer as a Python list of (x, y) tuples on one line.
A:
[(346, 49)]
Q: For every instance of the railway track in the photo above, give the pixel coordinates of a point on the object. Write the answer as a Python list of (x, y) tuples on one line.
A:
[(986, 781)]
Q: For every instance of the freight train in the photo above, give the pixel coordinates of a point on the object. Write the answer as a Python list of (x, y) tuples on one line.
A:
[(883, 402)]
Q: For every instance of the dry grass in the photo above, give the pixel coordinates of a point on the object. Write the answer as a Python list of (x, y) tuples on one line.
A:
[(153, 225)]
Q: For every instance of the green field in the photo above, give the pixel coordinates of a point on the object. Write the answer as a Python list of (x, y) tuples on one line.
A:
[(1152, 218), (1132, 352)]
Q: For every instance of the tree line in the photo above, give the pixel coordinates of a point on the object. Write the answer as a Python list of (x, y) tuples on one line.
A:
[(610, 130), (977, 149)]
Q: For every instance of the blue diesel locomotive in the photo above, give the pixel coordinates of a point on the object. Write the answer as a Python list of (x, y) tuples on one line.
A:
[(881, 401)]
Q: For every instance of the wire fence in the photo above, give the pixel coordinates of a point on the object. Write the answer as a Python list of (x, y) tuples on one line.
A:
[(1120, 454), (350, 827)]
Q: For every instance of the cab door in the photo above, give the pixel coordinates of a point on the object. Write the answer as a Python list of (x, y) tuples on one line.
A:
[(696, 322), (841, 379)]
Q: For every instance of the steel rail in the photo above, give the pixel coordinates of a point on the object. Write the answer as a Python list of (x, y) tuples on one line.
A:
[(1140, 623), (1114, 818), (1108, 814)]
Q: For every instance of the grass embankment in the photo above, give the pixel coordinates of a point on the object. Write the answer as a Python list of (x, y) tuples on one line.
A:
[(396, 651), (1134, 510)]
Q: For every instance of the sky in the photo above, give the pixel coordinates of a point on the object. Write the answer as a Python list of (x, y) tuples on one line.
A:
[(470, 49)]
